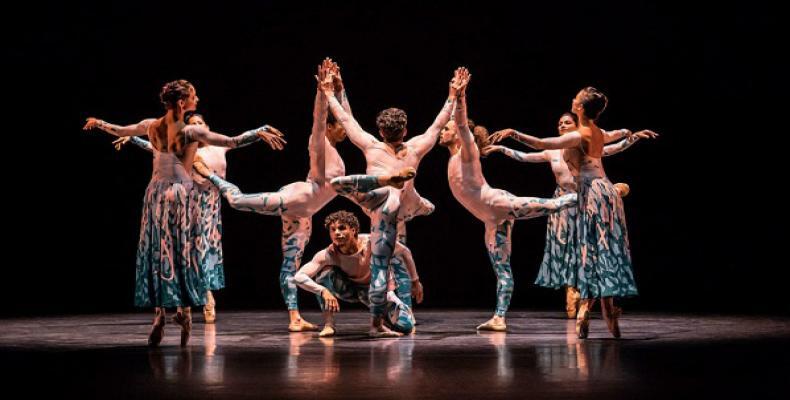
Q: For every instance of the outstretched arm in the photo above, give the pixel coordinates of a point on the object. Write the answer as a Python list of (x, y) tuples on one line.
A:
[(535, 157), (611, 149), (568, 140), (138, 129), (615, 135), (135, 140), (628, 142), (196, 133)]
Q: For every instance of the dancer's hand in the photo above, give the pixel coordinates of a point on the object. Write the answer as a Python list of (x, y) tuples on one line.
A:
[(330, 301), (338, 80), (91, 123), (416, 290), (120, 142), (272, 136), (320, 75), (327, 81), (461, 78), (501, 135), (645, 134), (491, 149)]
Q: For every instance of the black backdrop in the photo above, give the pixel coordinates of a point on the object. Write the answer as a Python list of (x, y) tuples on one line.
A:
[(705, 214)]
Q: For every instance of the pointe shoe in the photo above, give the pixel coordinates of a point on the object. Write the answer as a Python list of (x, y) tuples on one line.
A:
[(210, 317), (185, 320), (406, 174), (583, 324), (490, 325), (209, 314), (209, 310), (571, 302), (157, 331), (302, 326), (613, 323), (622, 189), (328, 331)]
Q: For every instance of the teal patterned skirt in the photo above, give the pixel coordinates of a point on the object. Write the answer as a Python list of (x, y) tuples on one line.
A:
[(604, 264), (167, 273)]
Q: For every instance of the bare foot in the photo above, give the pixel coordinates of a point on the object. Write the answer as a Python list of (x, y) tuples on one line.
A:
[(301, 325), (496, 324), (378, 330), (328, 331), (404, 175)]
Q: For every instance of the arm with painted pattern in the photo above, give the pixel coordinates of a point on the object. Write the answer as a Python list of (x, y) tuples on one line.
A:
[(620, 146), (197, 133), (135, 140), (533, 157), (138, 129)]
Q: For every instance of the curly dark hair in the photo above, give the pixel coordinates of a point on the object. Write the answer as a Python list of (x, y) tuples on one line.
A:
[(392, 124), (174, 91), (593, 102), (344, 217)]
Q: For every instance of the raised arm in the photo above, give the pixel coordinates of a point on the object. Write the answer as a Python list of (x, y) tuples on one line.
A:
[(138, 129), (316, 145), (422, 144), (354, 131), (337, 82), (197, 133), (534, 157), (469, 150)]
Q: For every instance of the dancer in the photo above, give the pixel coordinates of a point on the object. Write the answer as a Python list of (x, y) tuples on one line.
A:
[(167, 275), (394, 161), (558, 268), (342, 271), (208, 223), (296, 203), (496, 208), (604, 257)]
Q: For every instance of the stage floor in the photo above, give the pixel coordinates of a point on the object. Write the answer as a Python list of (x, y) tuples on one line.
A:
[(251, 355)]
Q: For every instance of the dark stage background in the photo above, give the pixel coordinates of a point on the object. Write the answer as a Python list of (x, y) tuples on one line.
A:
[(705, 214)]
